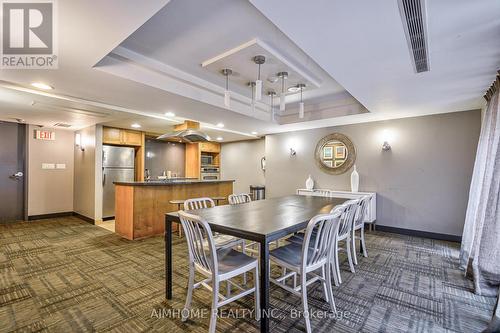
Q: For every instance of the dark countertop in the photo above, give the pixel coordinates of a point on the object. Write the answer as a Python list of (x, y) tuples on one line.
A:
[(172, 182)]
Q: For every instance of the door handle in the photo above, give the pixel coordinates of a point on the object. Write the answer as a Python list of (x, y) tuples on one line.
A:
[(103, 179), (17, 175)]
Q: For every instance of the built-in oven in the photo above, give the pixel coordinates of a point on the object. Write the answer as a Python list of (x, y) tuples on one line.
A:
[(210, 176), (207, 159), (210, 172)]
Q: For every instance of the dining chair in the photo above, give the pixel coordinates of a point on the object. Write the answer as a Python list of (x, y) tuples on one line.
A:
[(236, 199), (348, 212), (216, 265), (221, 241), (359, 224), (306, 258)]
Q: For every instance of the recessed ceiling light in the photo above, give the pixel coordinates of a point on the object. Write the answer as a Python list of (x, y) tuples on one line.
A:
[(170, 114), (254, 133), (293, 89), (41, 85), (220, 138), (135, 126), (220, 125)]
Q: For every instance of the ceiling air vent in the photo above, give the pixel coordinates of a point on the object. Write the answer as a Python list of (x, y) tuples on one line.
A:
[(62, 125), (413, 15)]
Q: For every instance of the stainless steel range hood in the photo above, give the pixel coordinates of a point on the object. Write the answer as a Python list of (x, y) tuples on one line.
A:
[(188, 132), (187, 135)]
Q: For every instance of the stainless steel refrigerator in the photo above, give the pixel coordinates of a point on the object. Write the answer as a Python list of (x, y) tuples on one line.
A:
[(117, 166)]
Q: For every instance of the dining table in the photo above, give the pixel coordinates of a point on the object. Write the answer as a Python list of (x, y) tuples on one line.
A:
[(261, 221)]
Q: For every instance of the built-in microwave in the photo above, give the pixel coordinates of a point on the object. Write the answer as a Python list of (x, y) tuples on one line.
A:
[(207, 160)]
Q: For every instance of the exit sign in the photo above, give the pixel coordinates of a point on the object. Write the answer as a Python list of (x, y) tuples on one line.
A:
[(45, 135)]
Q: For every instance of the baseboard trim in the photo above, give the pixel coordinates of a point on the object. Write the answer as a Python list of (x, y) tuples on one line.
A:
[(49, 216), (419, 233), (85, 218), (108, 218)]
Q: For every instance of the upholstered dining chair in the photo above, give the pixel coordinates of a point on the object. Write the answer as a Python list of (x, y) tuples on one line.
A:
[(216, 265), (304, 259)]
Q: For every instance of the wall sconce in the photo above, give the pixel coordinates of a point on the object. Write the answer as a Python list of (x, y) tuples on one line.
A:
[(78, 141), (293, 152), (386, 136)]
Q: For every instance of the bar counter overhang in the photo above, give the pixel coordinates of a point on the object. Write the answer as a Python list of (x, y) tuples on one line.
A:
[(140, 207)]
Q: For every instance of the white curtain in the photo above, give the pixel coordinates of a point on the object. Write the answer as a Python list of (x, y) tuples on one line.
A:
[(481, 237)]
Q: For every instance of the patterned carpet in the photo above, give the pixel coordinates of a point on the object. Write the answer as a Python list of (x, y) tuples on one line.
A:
[(65, 275)]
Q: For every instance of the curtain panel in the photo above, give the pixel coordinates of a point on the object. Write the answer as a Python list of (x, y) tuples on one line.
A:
[(481, 236)]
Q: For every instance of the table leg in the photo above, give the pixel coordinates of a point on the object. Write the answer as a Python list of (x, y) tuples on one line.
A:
[(168, 258), (264, 286)]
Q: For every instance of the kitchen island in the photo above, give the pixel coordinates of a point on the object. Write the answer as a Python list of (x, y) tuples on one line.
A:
[(140, 207)]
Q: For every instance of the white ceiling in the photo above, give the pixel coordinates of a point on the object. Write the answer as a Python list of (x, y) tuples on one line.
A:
[(362, 45), (359, 46)]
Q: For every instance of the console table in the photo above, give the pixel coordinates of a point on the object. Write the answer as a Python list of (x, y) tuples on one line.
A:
[(371, 215)]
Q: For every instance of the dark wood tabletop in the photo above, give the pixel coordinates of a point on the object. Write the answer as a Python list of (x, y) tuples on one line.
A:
[(262, 221), (271, 218)]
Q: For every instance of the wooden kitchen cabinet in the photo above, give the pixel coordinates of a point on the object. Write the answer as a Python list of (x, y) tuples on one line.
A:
[(210, 147), (117, 136), (193, 156), (111, 136)]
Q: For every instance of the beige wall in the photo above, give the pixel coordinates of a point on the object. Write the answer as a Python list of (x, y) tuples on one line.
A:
[(422, 183), (84, 202), (50, 191), (241, 161)]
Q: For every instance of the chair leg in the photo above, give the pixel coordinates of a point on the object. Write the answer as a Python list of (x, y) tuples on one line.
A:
[(305, 306), (189, 295), (337, 266), (349, 255), (228, 289), (329, 289), (244, 250), (324, 283), (365, 253), (256, 293), (353, 248), (215, 301)]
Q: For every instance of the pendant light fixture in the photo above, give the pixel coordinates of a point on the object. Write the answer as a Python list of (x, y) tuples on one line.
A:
[(259, 60), (301, 86), (271, 94), (227, 95), (252, 87), (283, 76)]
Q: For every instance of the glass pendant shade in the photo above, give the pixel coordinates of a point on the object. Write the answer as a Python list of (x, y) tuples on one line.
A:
[(227, 98), (282, 102), (301, 110), (258, 90)]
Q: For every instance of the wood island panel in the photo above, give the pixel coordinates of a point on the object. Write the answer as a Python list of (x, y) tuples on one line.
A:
[(140, 210)]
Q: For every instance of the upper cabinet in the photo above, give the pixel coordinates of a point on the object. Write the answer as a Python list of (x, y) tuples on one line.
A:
[(117, 136), (210, 147)]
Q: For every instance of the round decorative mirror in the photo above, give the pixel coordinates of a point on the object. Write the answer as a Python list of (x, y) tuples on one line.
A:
[(335, 153)]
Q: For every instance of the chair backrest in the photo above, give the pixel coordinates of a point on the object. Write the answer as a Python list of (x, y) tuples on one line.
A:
[(315, 250), (236, 199), (198, 233), (349, 209), (198, 203), (362, 210)]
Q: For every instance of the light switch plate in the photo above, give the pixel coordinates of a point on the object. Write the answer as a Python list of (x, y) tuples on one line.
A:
[(60, 166), (48, 166)]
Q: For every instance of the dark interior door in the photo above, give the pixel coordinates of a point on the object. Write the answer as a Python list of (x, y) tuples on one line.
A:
[(12, 153)]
